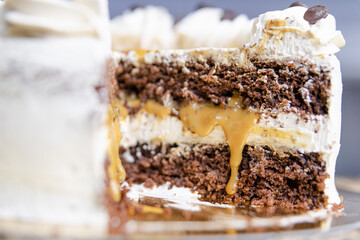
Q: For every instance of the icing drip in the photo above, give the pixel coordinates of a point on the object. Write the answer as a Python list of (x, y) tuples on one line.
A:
[(235, 121)]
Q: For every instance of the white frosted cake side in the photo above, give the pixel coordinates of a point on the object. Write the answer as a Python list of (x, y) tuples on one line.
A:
[(53, 132)]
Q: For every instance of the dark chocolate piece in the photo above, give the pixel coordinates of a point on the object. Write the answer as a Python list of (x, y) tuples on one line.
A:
[(288, 180), (296, 4), (315, 13), (228, 15), (204, 5), (136, 6)]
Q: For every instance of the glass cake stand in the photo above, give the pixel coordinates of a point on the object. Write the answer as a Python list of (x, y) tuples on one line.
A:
[(165, 219), (211, 222)]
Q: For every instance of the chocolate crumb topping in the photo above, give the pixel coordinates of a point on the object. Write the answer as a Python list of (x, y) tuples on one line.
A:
[(315, 13), (298, 4)]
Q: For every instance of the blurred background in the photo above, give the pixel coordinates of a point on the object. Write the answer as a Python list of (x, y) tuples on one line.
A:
[(348, 22)]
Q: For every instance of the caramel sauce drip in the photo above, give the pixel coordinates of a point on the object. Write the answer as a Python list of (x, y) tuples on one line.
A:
[(157, 109), (141, 54), (115, 169), (236, 123), (275, 23)]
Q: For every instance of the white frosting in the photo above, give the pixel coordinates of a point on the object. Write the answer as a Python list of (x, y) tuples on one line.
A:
[(333, 127), (143, 28), (53, 136), (204, 28), (55, 18), (297, 38)]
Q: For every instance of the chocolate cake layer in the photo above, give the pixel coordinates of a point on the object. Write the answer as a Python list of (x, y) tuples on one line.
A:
[(286, 85), (288, 180)]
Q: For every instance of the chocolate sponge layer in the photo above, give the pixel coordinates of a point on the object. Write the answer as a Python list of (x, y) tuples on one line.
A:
[(290, 180), (287, 85)]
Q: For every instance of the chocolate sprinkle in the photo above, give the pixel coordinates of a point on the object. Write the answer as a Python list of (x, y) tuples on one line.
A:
[(315, 13), (298, 4), (228, 15)]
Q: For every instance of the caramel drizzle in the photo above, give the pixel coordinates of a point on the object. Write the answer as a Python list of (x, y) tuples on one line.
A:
[(236, 123), (116, 171), (157, 109)]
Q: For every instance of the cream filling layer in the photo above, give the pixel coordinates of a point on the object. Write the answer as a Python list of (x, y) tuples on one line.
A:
[(285, 132)]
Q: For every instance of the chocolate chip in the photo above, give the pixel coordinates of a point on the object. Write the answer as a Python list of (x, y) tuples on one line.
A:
[(296, 4), (315, 13), (204, 5), (228, 15), (136, 6)]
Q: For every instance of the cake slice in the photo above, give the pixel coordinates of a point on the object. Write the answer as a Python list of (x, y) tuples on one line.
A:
[(257, 125)]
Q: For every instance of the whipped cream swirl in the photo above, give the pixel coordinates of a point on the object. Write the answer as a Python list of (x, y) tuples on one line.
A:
[(206, 28), (53, 17), (149, 27), (287, 33)]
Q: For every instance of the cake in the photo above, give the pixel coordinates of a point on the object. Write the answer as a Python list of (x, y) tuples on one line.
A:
[(55, 59), (221, 123), (257, 125)]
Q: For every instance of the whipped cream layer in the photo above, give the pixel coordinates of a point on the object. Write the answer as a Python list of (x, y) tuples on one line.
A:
[(53, 133), (150, 27), (284, 132)]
